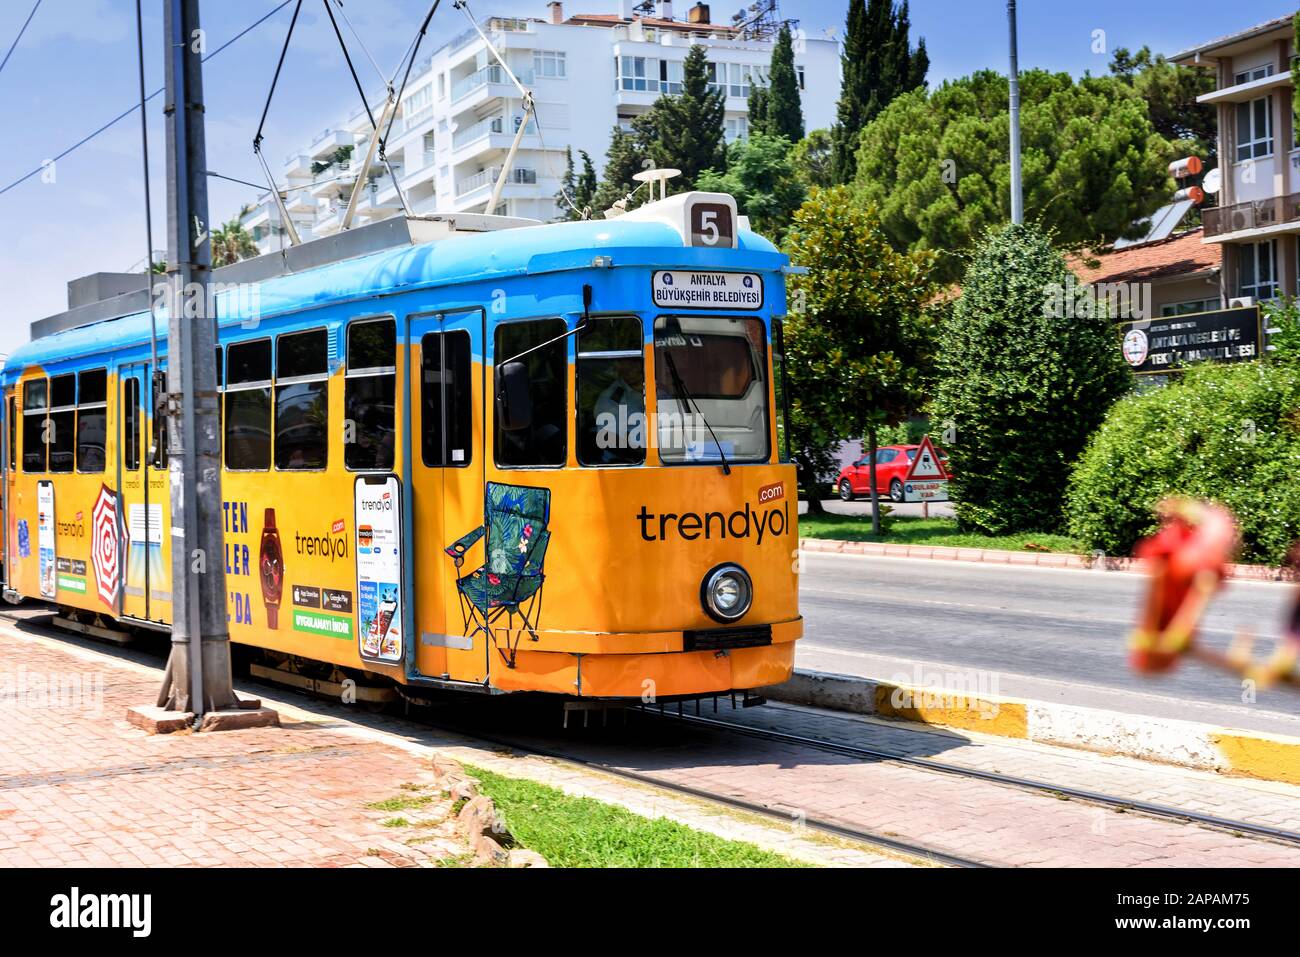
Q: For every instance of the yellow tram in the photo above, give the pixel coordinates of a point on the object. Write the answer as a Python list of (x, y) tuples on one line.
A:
[(489, 456)]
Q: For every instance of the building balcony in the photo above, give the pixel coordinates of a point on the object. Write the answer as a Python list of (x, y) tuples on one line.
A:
[(490, 75), (1244, 92), (298, 166), (328, 141), (488, 178), (1277, 214), (468, 134)]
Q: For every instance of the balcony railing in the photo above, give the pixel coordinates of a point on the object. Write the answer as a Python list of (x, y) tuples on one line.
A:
[(518, 177), (1275, 211), (469, 134), (492, 73)]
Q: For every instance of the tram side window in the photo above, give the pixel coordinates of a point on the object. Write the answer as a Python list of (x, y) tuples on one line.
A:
[(302, 400), (445, 397), (611, 392), (247, 428), (63, 422), (92, 419), (13, 435), (36, 404), (131, 424), (543, 440), (370, 396)]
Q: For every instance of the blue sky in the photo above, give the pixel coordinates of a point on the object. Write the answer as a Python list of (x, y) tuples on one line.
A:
[(76, 68)]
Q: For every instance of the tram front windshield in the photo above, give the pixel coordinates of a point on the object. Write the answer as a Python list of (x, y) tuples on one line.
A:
[(711, 389)]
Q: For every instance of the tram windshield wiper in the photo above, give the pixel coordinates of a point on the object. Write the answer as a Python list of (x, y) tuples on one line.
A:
[(686, 400)]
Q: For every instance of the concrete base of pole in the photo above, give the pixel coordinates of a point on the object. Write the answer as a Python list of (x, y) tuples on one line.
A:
[(247, 713)]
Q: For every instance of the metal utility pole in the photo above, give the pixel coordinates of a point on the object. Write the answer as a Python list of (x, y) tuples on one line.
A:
[(198, 671), (1017, 191)]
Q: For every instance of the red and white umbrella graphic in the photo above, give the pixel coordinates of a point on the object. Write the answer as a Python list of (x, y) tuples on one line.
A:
[(105, 539)]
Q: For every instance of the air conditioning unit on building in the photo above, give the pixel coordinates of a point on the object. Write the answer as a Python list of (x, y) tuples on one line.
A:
[(1241, 302), (1243, 219)]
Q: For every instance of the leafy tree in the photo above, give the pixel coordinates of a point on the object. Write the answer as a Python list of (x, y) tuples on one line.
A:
[(858, 336), (813, 160), (784, 110), (685, 131), (1170, 92), (1229, 433), (1020, 384), (878, 65), (937, 165), (625, 158), (232, 242), (762, 176)]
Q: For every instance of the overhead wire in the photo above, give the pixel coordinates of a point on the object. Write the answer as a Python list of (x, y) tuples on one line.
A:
[(21, 30), (135, 106)]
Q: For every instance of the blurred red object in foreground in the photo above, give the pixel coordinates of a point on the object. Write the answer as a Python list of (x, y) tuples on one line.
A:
[(1188, 559)]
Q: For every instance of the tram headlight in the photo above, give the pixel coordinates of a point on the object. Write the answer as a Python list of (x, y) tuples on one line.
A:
[(726, 593)]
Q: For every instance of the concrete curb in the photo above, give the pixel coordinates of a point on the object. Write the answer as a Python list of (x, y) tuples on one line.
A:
[(1187, 744), (994, 556)]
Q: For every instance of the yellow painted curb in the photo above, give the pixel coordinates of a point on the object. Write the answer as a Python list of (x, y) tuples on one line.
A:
[(1273, 759), (953, 709)]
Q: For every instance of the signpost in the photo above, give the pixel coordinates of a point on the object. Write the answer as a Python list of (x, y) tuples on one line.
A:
[(926, 480), (1155, 346)]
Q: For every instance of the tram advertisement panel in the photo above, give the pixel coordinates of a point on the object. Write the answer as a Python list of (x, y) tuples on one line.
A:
[(45, 537), (379, 568)]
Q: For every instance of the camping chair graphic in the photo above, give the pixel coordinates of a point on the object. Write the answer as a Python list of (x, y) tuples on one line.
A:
[(509, 582)]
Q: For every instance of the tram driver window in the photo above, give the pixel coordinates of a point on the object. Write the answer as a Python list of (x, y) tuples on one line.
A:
[(92, 419), (370, 396), (543, 440), (35, 406), (63, 422), (711, 389), (611, 392), (247, 427), (302, 400)]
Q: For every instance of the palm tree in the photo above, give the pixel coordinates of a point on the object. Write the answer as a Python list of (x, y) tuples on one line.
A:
[(232, 242)]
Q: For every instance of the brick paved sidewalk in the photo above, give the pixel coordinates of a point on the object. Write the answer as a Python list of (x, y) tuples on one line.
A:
[(80, 787)]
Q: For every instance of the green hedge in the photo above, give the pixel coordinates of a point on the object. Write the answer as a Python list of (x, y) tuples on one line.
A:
[(1228, 433)]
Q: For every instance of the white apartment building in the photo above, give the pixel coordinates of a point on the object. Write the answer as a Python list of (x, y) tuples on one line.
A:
[(459, 113), (1257, 221)]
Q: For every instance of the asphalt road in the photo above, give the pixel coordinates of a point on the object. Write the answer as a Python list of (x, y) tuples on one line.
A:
[(1040, 633)]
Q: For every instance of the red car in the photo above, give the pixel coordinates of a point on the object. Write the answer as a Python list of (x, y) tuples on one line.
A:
[(892, 463)]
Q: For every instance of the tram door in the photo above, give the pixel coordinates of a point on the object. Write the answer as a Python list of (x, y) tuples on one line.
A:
[(142, 512), (447, 470), (10, 435)]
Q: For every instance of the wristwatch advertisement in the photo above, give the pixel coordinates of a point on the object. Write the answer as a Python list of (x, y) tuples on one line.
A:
[(271, 566)]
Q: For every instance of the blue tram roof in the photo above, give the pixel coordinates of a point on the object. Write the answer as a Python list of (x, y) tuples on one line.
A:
[(466, 258)]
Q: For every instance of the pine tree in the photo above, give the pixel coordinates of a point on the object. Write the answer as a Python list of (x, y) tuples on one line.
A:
[(757, 108), (784, 111), (624, 159), (685, 131), (585, 191), (878, 65), (568, 186)]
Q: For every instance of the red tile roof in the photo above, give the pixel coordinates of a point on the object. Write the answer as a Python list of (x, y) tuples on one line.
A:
[(1180, 255)]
